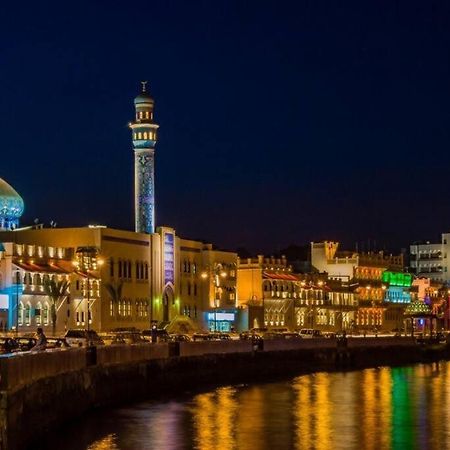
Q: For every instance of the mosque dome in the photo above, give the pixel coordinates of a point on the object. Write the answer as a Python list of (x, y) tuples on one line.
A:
[(144, 96), (11, 206)]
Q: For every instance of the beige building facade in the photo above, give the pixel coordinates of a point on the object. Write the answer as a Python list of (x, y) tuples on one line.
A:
[(116, 279)]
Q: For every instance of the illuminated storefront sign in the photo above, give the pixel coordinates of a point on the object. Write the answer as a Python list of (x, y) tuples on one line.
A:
[(396, 294), (397, 278), (221, 316), (169, 258)]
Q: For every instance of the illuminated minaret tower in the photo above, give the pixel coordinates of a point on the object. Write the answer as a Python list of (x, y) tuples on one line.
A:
[(144, 141)]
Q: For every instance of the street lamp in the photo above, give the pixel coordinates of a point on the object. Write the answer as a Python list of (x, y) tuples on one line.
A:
[(17, 300), (217, 271)]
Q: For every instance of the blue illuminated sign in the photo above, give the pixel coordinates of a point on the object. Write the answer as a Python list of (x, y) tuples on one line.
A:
[(221, 316), (169, 258)]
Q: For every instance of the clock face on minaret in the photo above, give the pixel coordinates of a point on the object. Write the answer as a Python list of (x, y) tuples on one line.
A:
[(144, 136)]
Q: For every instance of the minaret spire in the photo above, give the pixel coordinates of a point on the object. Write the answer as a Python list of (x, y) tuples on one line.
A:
[(144, 141)]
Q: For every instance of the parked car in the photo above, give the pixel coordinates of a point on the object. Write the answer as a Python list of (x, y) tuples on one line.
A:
[(134, 337), (8, 345), (329, 334), (291, 335), (112, 339), (200, 337), (272, 335), (161, 335), (25, 344), (219, 337), (81, 338), (309, 333), (179, 338), (57, 343)]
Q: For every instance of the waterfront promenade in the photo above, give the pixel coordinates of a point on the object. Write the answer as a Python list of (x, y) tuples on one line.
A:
[(39, 390)]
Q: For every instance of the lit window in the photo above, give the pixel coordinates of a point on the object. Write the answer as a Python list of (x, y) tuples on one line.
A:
[(37, 313), (45, 314), (145, 135), (147, 114), (20, 313), (139, 135)]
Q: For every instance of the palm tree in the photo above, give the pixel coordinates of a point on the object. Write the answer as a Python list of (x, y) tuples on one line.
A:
[(56, 291), (115, 293)]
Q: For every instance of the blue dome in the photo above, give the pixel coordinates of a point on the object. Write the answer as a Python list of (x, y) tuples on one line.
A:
[(11, 205)]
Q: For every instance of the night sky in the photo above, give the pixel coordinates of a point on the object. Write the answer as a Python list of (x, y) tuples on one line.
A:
[(280, 122)]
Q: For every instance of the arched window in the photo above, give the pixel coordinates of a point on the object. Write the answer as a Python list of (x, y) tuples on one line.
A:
[(111, 267), (129, 269), (28, 314), (45, 314), (138, 270), (189, 288), (129, 308), (139, 135), (145, 135), (147, 115), (120, 269), (37, 314), (21, 313), (195, 288)]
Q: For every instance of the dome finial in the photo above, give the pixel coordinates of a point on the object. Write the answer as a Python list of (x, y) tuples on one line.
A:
[(144, 83)]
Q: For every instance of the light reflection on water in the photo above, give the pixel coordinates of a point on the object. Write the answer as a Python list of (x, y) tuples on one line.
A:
[(398, 408)]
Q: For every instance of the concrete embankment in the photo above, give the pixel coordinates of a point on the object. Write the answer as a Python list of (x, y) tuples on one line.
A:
[(40, 391)]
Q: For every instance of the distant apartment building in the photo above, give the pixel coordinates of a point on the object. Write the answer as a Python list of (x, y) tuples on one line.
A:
[(430, 260)]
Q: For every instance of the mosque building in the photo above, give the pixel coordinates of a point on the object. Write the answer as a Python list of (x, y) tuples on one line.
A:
[(108, 278), (11, 207)]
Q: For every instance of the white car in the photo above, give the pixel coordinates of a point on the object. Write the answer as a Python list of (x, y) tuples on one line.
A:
[(309, 333), (81, 338)]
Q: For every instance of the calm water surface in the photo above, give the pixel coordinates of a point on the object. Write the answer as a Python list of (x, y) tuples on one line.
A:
[(384, 408)]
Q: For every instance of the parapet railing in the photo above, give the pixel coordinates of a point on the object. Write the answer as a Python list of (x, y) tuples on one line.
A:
[(21, 369)]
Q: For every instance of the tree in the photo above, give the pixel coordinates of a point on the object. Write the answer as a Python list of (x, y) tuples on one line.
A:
[(56, 291), (115, 293)]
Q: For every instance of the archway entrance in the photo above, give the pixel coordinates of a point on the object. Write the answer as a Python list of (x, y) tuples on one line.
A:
[(167, 300)]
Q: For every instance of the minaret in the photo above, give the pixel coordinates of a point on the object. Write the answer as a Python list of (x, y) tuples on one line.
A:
[(144, 141)]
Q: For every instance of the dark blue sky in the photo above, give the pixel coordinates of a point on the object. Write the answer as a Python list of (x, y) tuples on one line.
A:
[(279, 121)]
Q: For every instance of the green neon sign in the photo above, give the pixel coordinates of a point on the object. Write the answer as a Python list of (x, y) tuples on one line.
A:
[(397, 278)]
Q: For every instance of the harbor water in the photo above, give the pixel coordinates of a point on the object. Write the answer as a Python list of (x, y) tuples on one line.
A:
[(379, 408)]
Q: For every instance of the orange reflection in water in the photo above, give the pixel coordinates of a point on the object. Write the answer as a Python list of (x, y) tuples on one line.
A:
[(214, 418), (312, 411), (109, 442)]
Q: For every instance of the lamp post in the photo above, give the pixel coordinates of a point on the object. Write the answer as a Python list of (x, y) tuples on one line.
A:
[(17, 301), (217, 271)]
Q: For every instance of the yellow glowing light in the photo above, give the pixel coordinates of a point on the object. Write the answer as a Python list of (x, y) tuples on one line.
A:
[(204, 275), (223, 274), (100, 262)]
